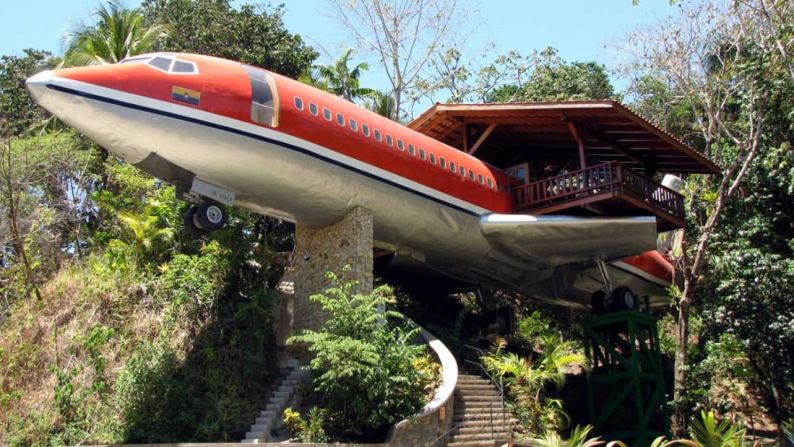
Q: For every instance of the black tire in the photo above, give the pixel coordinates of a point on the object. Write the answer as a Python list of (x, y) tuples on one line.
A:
[(623, 299), (597, 301), (189, 219), (210, 215)]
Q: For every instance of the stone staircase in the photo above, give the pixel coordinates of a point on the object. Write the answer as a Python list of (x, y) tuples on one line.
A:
[(272, 415), (480, 420)]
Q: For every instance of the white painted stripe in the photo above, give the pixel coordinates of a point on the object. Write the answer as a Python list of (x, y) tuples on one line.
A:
[(221, 120), (641, 273)]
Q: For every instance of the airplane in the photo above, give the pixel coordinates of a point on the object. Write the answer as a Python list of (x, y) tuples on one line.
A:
[(225, 133)]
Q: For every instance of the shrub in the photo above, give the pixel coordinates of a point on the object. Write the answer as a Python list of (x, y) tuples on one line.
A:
[(364, 362), (309, 429)]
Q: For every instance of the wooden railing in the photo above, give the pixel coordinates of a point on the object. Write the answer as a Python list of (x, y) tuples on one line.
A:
[(607, 178)]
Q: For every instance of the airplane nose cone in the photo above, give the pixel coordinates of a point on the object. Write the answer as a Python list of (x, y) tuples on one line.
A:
[(37, 84)]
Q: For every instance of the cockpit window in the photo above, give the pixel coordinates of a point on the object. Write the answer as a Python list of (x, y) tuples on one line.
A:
[(161, 63), (264, 97), (183, 67), (136, 60)]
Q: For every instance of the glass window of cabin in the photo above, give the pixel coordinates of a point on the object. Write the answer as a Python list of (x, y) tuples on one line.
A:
[(353, 125), (365, 130), (327, 114), (462, 170), (432, 158), (298, 103), (421, 153), (184, 67), (442, 163), (377, 135), (340, 119), (411, 149), (400, 145), (389, 140), (471, 175), (490, 183), (161, 63), (313, 109), (264, 97), (480, 179), (452, 166)]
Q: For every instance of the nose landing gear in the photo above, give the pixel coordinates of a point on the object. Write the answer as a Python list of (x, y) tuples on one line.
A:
[(207, 216)]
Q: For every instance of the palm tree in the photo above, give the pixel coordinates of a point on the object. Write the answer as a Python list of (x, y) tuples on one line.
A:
[(119, 33), (383, 104), (341, 80)]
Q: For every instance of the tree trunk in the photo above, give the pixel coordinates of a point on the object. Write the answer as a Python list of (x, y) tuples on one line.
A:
[(679, 419)]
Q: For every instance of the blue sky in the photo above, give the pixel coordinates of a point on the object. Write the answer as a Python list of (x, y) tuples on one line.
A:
[(579, 29)]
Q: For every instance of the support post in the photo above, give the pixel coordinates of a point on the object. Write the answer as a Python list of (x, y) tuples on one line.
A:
[(318, 251), (488, 131), (580, 142)]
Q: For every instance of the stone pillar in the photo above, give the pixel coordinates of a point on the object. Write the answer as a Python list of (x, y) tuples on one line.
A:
[(318, 251)]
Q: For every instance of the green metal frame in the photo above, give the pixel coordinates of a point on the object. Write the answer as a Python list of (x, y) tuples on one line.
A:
[(625, 388)]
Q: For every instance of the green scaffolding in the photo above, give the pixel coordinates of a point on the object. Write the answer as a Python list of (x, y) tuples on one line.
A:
[(625, 388)]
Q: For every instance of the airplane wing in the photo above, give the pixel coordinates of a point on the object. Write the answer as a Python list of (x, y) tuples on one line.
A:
[(557, 240)]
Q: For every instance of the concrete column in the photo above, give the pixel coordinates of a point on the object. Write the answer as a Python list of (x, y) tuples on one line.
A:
[(318, 251)]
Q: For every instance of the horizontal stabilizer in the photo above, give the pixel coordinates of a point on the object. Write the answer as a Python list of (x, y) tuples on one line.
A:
[(557, 240)]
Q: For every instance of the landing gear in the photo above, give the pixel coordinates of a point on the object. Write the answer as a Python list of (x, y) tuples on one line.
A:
[(621, 298), (208, 216)]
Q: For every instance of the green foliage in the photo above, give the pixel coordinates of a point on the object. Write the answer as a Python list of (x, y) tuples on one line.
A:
[(341, 80), (708, 432), (19, 111), (532, 380), (252, 34), (307, 430), (364, 362), (118, 33), (577, 438)]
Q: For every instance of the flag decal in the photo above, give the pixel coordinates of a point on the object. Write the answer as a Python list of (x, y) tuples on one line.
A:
[(182, 94)]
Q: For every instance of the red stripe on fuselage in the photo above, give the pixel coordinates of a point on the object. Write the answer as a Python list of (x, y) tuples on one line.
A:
[(652, 263)]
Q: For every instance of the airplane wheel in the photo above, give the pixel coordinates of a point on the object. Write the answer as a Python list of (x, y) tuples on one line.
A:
[(623, 299), (189, 219), (600, 302), (210, 215)]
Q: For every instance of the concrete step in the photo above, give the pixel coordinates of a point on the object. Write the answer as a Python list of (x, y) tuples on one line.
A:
[(462, 416), (260, 428), (480, 398), (267, 414), (255, 435), (476, 386), (282, 393), (500, 430), (479, 437), (274, 407), (491, 443)]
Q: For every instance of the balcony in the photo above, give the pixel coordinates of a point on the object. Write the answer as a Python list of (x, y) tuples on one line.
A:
[(609, 189)]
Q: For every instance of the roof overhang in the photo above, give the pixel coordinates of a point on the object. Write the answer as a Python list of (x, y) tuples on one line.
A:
[(608, 129)]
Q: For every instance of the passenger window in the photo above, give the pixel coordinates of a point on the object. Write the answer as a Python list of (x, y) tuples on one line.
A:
[(462, 170), (480, 179), (432, 158), (326, 114), (365, 130), (389, 141), (471, 175), (313, 109), (400, 145), (421, 153), (442, 163), (490, 183), (353, 125), (264, 97), (411, 149), (340, 119), (452, 166), (298, 103), (377, 135)]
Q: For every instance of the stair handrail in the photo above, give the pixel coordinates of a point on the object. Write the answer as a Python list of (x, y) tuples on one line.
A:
[(498, 384)]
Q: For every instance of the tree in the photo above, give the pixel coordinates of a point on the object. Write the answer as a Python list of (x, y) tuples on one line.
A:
[(382, 104), (118, 33), (364, 366), (403, 34), (709, 59), (251, 34), (19, 110), (343, 81)]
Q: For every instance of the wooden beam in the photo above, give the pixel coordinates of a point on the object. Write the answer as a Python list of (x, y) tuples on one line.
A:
[(465, 136), (617, 146), (482, 138), (579, 142)]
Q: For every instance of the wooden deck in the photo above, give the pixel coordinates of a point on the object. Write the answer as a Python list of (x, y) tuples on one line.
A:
[(609, 189)]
